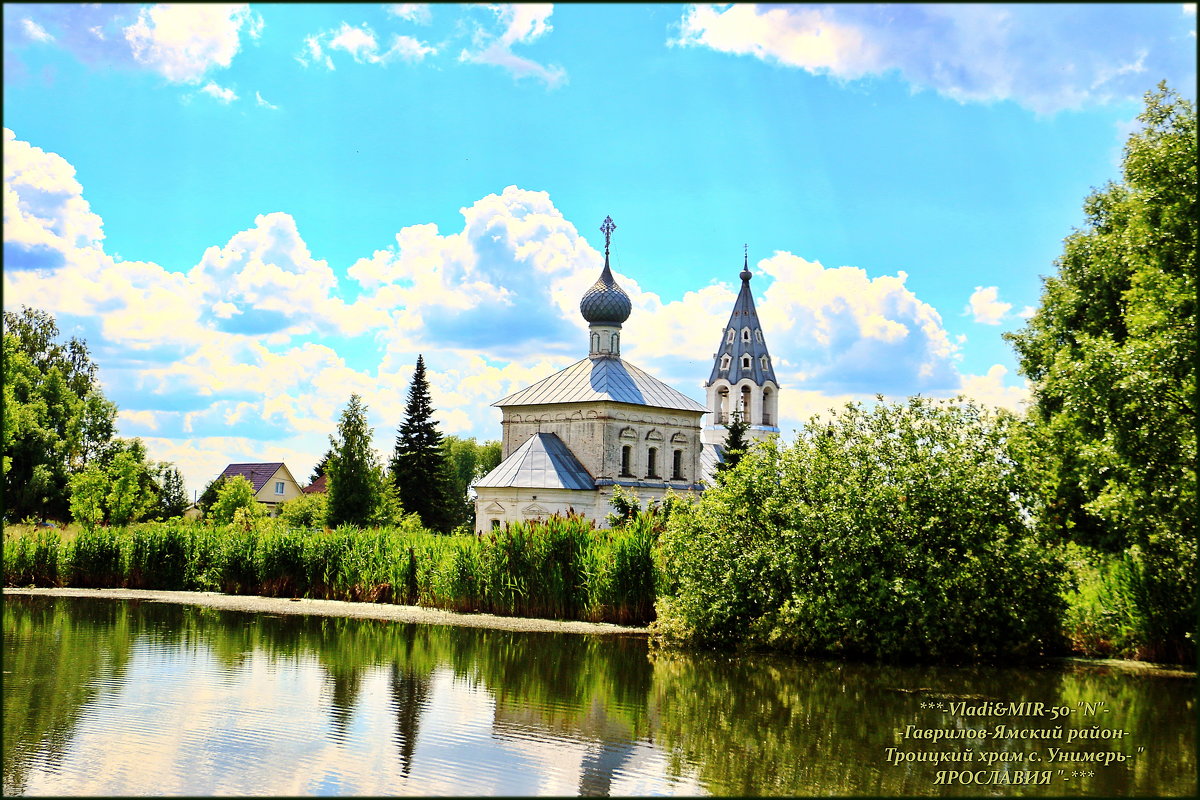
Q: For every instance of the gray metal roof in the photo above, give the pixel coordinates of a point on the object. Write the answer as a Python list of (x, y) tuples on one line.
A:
[(543, 462), (711, 455), (607, 378), (744, 315)]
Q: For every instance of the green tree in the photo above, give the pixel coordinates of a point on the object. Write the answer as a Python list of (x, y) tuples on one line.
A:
[(468, 462), (1111, 354), (128, 499), (88, 490), (210, 493), (1111, 350), (419, 465), (353, 473), (321, 467), (236, 494), (895, 532), (735, 442), (56, 418), (173, 494)]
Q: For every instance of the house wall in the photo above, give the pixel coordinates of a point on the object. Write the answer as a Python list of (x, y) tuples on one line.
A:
[(507, 505), (597, 432), (291, 489)]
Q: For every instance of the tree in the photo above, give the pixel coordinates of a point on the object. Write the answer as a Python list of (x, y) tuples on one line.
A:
[(321, 467), (210, 493), (173, 495), (419, 465), (56, 418), (468, 462), (1111, 353), (88, 489), (735, 441), (353, 472), (895, 532), (236, 494), (128, 499)]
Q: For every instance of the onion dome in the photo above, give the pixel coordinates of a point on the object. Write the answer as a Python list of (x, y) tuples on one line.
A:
[(605, 302)]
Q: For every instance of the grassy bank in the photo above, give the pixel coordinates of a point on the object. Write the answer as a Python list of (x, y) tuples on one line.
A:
[(563, 569)]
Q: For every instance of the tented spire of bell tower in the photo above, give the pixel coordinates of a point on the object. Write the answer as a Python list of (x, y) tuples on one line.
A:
[(742, 380)]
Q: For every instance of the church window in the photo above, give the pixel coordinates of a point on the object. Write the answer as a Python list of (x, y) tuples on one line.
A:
[(729, 337), (758, 334), (725, 362), (763, 361), (677, 466), (745, 362), (626, 456), (495, 524), (745, 334), (652, 463)]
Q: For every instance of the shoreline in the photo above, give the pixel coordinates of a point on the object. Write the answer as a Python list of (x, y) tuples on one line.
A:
[(343, 608)]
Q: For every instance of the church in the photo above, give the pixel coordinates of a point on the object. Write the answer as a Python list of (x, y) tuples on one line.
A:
[(603, 422)]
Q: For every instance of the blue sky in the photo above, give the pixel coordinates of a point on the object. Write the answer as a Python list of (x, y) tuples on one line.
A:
[(250, 212)]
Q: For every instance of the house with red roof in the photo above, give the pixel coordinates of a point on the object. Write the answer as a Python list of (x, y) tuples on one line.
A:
[(273, 483)]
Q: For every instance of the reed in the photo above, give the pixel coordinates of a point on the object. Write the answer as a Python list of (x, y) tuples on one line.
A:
[(560, 569)]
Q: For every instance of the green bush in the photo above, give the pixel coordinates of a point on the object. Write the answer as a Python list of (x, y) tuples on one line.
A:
[(307, 511), (891, 533)]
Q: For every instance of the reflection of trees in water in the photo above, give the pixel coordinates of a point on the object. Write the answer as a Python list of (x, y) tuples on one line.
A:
[(749, 724), (344, 683), (59, 655), (410, 691), (761, 725)]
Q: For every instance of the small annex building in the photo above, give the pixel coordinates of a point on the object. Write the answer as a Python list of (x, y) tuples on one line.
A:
[(600, 423), (273, 482)]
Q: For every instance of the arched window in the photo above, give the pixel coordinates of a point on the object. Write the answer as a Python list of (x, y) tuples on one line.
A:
[(652, 463), (725, 359), (745, 362), (758, 334), (677, 466), (729, 337), (745, 334), (763, 361), (626, 456)]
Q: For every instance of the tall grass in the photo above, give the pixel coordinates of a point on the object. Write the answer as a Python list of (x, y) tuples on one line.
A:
[(560, 569)]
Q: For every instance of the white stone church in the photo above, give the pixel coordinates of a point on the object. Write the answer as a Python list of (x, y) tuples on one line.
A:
[(602, 422)]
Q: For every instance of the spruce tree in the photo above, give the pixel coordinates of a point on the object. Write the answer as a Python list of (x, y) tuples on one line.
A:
[(735, 441), (419, 465)]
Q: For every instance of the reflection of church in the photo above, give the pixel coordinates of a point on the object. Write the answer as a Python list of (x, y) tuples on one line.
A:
[(602, 422)]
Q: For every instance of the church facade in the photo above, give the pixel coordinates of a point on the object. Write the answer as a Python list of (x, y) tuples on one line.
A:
[(602, 422)]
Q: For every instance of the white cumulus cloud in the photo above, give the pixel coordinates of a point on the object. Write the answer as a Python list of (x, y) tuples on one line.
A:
[(182, 42), (219, 93), (363, 46), (985, 305)]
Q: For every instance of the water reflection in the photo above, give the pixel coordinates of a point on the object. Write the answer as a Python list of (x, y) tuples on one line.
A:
[(104, 697)]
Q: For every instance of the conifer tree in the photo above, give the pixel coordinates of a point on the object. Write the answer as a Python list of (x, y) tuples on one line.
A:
[(353, 470), (735, 441), (419, 465)]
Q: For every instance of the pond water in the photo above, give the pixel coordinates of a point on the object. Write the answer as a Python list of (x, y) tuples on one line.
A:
[(105, 697)]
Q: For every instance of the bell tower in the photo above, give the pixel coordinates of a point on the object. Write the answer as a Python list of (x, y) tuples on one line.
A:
[(742, 380)]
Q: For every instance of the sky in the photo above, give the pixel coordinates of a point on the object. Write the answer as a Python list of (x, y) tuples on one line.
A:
[(250, 212)]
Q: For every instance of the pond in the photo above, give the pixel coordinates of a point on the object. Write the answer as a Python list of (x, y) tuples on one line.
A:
[(106, 697)]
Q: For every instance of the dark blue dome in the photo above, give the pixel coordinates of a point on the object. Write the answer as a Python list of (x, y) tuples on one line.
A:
[(605, 302)]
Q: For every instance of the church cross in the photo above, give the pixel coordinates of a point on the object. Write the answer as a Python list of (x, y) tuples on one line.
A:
[(607, 228)]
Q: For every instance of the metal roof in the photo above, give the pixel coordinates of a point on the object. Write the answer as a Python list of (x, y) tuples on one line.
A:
[(606, 378), (744, 316), (711, 455), (543, 462), (257, 474)]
